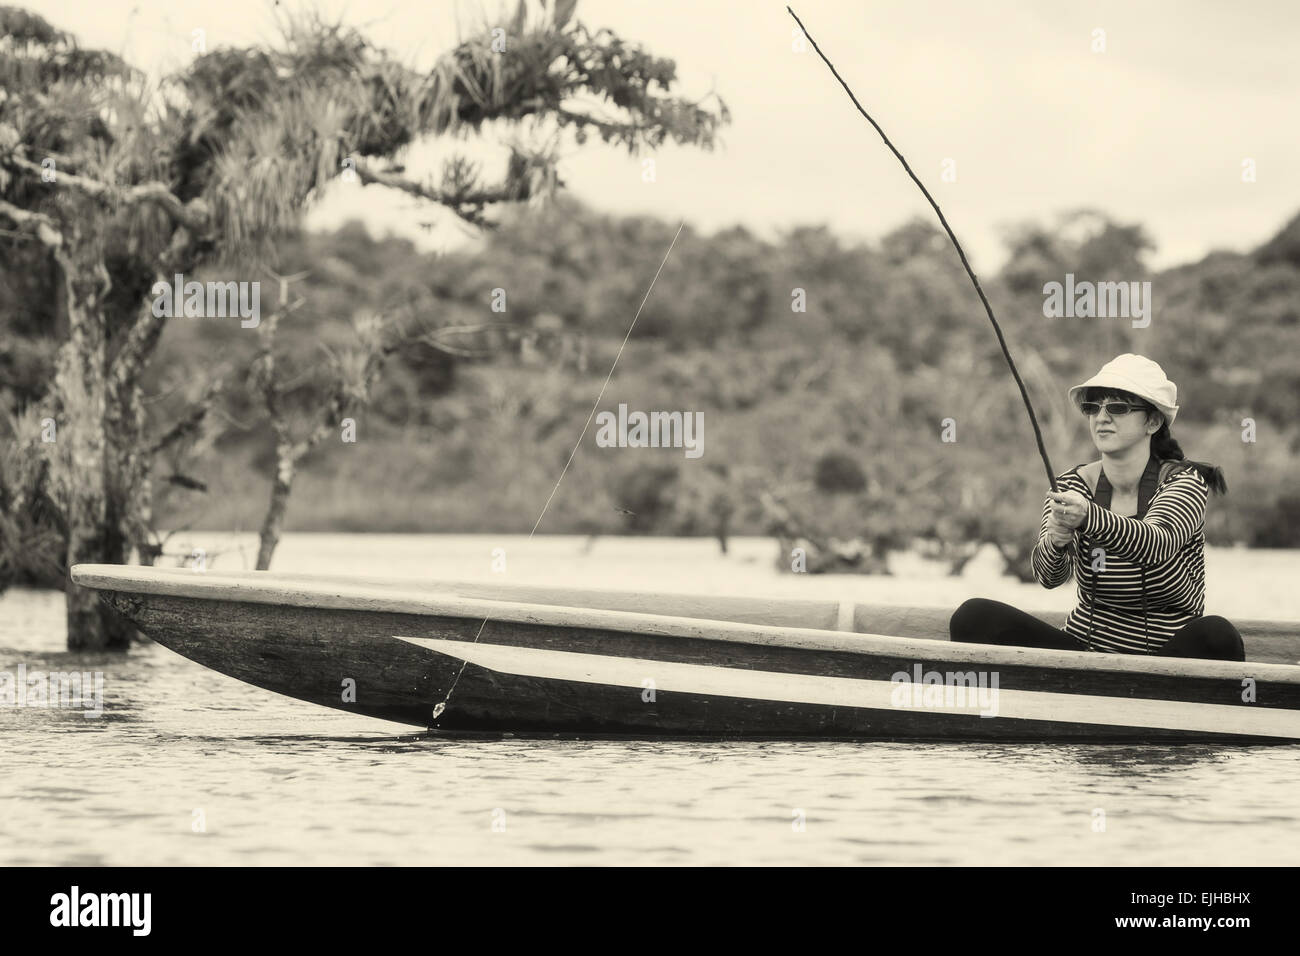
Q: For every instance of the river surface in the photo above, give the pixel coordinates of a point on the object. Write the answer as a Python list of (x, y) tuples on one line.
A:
[(186, 766)]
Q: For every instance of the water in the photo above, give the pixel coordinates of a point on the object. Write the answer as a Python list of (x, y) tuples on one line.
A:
[(187, 766)]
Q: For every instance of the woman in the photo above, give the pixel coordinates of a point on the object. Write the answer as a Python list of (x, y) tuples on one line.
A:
[(1131, 528)]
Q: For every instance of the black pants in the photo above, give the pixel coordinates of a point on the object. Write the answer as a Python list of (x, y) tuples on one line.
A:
[(981, 621)]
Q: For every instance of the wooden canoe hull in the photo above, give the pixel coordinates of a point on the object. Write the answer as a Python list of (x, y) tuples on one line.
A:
[(534, 670)]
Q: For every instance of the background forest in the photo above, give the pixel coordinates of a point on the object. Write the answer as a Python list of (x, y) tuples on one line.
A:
[(854, 398), (831, 417)]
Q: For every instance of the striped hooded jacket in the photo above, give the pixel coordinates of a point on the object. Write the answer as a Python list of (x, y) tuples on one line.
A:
[(1150, 570)]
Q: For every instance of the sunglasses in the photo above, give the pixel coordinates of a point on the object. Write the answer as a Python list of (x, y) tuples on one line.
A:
[(1113, 409)]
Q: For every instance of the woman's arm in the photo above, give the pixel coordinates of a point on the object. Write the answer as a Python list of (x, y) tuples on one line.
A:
[(1051, 567), (1176, 514)]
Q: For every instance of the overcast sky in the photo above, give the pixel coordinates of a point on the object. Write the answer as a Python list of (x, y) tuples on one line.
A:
[(1154, 130)]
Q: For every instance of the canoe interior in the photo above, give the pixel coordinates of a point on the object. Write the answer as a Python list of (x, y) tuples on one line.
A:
[(1266, 641)]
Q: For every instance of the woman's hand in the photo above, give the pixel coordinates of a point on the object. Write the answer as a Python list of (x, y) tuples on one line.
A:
[(1069, 508), (1059, 535)]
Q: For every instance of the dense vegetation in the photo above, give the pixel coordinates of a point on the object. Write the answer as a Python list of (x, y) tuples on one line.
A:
[(834, 415), (875, 417), (111, 183)]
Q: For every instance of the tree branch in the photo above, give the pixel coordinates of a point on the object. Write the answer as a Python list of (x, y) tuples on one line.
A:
[(143, 336), (468, 205), (264, 370), (190, 424), (193, 215), (36, 223)]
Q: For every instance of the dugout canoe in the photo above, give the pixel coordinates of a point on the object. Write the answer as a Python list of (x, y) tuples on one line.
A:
[(542, 661)]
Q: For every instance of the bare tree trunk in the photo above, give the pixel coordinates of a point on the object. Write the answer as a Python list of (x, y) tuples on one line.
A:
[(273, 525), (80, 383), (84, 512)]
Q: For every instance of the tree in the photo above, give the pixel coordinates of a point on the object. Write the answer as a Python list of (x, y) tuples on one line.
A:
[(113, 185)]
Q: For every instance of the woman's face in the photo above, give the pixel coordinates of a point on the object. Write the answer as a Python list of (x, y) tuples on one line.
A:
[(1116, 434)]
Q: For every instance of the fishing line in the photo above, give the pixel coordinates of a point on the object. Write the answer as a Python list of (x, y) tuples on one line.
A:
[(1024, 394), (439, 708)]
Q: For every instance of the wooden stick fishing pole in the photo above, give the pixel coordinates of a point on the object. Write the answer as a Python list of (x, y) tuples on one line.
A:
[(1033, 419)]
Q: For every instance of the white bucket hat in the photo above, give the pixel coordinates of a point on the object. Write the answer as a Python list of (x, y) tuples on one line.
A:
[(1138, 375)]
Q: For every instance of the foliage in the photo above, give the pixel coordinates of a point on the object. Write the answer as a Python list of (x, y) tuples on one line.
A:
[(838, 473), (214, 170), (837, 411), (798, 396)]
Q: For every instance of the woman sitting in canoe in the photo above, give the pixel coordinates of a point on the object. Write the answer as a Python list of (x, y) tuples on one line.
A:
[(1131, 528)]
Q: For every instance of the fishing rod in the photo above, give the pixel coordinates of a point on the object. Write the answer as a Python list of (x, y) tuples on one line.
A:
[(1006, 353)]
